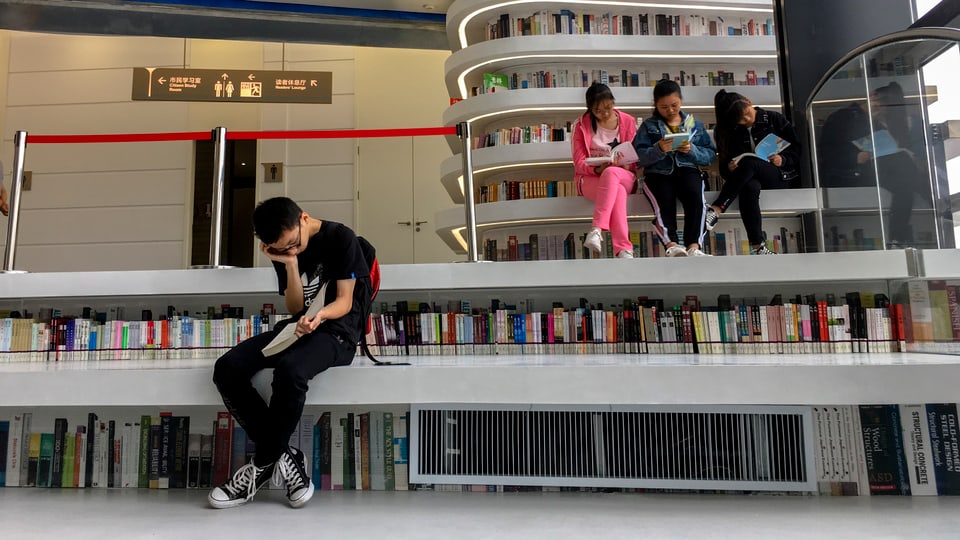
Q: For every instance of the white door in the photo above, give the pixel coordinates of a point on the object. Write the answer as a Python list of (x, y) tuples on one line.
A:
[(429, 197), (385, 180)]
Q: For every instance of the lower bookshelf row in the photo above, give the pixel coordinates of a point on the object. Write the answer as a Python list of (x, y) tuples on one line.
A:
[(886, 449)]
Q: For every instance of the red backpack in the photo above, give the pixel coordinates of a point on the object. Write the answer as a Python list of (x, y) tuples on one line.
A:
[(370, 256)]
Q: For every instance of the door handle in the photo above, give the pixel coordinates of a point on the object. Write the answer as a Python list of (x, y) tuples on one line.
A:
[(418, 223), (407, 223)]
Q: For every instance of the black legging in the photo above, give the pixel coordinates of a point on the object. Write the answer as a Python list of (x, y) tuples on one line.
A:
[(686, 184), (746, 181)]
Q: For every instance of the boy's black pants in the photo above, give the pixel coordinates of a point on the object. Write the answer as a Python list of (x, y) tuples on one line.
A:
[(270, 426)]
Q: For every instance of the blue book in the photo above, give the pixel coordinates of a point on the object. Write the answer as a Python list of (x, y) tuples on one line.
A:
[(942, 424), (880, 144), (768, 146), (4, 437)]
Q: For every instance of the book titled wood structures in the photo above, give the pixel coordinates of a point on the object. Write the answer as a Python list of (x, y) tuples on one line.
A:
[(287, 336)]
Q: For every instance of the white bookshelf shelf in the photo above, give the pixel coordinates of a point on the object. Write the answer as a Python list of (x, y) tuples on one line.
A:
[(475, 14), (521, 157), (862, 266), (940, 263), (552, 211), (465, 68), (546, 379), (529, 106)]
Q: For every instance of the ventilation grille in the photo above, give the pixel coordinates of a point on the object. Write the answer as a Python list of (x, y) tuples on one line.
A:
[(727, 448)]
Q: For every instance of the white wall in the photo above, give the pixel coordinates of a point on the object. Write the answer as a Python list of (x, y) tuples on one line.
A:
[(126, 206)]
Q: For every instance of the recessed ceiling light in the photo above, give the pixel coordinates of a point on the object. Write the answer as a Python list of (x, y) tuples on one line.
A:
[(428, 7)]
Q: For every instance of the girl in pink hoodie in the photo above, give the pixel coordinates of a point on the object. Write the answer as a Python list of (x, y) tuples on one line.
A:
[(600, 129)]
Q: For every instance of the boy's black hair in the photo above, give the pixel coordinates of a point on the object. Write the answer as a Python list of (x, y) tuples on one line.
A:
[(273, 217)]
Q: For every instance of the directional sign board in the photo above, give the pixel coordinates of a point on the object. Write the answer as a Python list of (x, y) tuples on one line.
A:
[(231, 85)]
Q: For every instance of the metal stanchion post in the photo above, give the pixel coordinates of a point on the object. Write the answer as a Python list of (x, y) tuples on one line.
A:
[(469, 207), (16, 185), (216, 218)]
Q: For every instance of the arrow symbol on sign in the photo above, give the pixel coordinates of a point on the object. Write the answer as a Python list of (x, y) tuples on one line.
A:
[(224, 76), (161, 80), (250, 77), (313, 82)]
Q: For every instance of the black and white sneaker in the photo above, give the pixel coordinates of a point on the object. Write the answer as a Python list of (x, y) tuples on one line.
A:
[(710, 218), (762, 250), (290, 472), (242, 487)]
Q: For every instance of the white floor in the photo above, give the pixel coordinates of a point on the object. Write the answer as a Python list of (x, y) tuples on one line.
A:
[(27, 513)]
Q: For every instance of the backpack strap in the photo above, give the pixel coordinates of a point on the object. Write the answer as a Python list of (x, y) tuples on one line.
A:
[(374, 289)]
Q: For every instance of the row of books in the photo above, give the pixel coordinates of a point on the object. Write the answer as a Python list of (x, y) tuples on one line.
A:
[(887, 449), (646, 243), (645, 326), (619, 78), (78, 339), (540, 133), (361, 451), (564, 21), (932, 314), (515, 190), (158, 452)]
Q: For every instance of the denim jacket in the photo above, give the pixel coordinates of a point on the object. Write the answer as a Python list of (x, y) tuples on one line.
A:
[(654, 160)]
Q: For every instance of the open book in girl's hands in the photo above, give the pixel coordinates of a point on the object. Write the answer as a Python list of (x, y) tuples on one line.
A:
[(287, 335), (621, 154), (677, 139), (770, 145)]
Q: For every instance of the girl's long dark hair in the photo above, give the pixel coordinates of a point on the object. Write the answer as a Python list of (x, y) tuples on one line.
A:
[(595, 94), (729, 108)]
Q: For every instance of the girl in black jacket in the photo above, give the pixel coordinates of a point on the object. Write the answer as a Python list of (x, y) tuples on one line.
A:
[(740, 126)]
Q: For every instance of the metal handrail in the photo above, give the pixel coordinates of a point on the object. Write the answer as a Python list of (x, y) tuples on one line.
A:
[(912, 34)]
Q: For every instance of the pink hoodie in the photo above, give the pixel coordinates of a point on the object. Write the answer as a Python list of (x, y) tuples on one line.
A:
[(583, 132)]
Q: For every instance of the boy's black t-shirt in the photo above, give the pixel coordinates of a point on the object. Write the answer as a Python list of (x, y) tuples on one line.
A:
[(332, 254)]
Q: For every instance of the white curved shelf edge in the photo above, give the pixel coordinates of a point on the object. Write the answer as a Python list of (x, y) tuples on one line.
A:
[(940, 263), (481, 11), (507, 53), (541, 379), (578, 209), (534, 103), (503, 157)]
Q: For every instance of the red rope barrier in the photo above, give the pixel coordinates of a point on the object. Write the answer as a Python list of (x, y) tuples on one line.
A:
[(120, 137), (341, 133), (242, 135)]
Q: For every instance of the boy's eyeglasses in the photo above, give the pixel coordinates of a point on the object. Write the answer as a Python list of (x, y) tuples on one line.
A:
[(291, 247)]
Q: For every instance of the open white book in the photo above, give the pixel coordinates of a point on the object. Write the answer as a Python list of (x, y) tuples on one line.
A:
[(287, 336), (621, 154), (770, 145)]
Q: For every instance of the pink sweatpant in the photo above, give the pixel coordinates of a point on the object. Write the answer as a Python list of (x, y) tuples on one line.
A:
[(609, 195)]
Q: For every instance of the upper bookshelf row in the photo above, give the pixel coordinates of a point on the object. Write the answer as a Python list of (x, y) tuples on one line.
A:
[(464, 69), (453, 277), (473, 21), (497, 110)]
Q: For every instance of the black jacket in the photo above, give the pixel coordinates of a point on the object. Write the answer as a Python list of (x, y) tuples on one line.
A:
[(737, 141)]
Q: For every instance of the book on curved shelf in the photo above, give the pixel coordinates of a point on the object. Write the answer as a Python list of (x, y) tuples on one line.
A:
[(287, 335)]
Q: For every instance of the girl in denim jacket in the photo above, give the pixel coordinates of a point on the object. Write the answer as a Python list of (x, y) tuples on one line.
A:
[(674, 174)]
